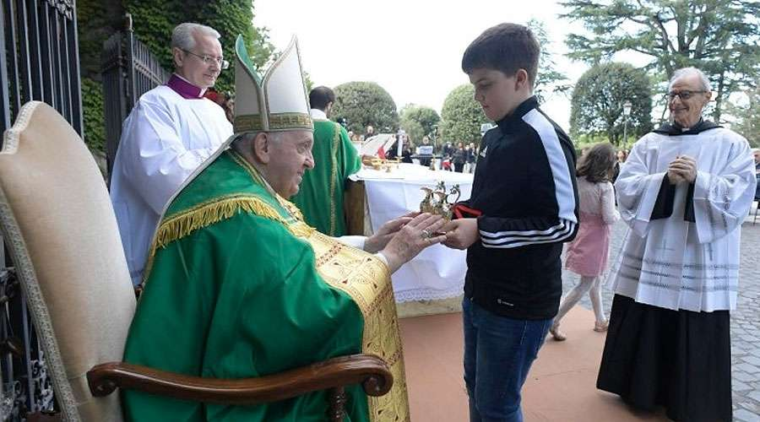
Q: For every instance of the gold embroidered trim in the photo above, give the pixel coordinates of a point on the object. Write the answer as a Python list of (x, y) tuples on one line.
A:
[(277, 122), (204, 215), (248, 123), (237, 158), (290, 121), (214, 211), (333, 180), (367, 281), (290, 207), (221, 208)]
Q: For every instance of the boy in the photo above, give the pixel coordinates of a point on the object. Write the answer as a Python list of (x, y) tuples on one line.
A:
[(524, 205)]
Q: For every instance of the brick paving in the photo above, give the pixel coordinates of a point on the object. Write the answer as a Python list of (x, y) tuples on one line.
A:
[(745, 321)]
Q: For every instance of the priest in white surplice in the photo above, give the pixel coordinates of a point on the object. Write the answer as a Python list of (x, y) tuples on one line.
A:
[(684, 191), (171, 131)]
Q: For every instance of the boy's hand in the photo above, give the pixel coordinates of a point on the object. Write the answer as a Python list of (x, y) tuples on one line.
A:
[(461, 233)]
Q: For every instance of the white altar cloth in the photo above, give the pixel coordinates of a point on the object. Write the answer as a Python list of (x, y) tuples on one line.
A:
[(438, 272)]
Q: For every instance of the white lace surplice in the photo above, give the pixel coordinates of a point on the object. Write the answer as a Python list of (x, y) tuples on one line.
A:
[(672, 263)]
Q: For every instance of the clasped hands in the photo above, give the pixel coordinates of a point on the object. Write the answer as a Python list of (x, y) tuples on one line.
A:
[(682, 169)]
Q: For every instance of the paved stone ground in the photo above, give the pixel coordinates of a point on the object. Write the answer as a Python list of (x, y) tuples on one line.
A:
[(745, 321)]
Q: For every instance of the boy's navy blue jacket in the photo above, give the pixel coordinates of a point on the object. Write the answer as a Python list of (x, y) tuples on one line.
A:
[(526, 196)]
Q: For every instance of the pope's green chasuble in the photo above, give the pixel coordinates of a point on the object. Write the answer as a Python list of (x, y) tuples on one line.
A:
[(320, 197), (238, 286)]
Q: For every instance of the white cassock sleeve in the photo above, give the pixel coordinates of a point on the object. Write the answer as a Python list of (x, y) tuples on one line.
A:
[(358, 242), (637, 189), (610, 214), (353, 241), (159, 161), (723, 195)]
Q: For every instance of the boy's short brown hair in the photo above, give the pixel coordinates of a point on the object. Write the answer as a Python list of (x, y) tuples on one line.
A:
[(507, 47)]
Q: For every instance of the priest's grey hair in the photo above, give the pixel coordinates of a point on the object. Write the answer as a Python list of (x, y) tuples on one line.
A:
[(182, 36), (689, 71), (243, 141)]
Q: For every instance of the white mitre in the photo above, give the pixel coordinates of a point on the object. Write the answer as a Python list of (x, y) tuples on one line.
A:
[(278, 101)]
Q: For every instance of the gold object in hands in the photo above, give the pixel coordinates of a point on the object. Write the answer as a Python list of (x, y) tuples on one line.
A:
[(380, 163), (437, 201)]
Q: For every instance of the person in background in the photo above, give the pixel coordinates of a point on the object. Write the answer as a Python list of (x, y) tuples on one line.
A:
[(171, 131), (369, 133), (622, 155), (406, 155), (684, 191), (241, 287), (472, 158), (321, 195), (460, 157), (523, 207), (587, 254), (425, 150)]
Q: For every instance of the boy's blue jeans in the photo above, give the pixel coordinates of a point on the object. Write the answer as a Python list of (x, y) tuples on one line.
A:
[(498, 352)]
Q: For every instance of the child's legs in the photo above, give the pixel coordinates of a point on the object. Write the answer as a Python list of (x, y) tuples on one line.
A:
[(504, 350), (573, 297), (595, 294)]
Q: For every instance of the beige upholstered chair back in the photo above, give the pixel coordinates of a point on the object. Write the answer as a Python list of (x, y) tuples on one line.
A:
[(57, 217)]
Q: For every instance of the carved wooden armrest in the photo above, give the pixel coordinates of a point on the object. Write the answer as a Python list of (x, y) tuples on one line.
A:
[(368, 370)]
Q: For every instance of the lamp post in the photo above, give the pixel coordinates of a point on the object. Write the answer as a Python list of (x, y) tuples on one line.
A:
[(626, 112), (434, 135), (400, 140)]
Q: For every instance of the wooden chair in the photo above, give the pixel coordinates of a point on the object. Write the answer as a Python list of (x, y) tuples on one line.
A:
[(57, 217)]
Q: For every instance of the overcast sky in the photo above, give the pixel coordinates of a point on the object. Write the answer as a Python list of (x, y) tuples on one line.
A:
[(412, 48)]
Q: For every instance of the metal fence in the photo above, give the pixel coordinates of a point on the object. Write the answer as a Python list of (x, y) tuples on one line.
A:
[(129, 70), (39, 60)]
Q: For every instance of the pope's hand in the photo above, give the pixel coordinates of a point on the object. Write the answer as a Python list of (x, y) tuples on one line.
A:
[(412, 238), (461, 233), (377, 241)]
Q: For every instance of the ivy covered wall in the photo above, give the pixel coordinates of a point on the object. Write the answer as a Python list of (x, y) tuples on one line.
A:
[(153, 21)]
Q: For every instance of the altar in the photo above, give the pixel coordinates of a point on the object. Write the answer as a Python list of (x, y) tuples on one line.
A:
[(378, 196)]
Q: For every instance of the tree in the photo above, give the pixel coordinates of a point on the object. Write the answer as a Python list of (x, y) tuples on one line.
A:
[(414, 130), (230, 18), (461, 116), (598, 98), (154, 21), (363, 104), (748, 117), (549, 80), (720, 37), (418, 121)]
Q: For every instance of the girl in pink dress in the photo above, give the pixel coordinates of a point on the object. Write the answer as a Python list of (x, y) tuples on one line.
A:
[(587, 254)]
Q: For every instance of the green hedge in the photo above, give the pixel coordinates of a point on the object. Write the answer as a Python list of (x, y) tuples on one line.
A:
[(155, 20), (94, 115)]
